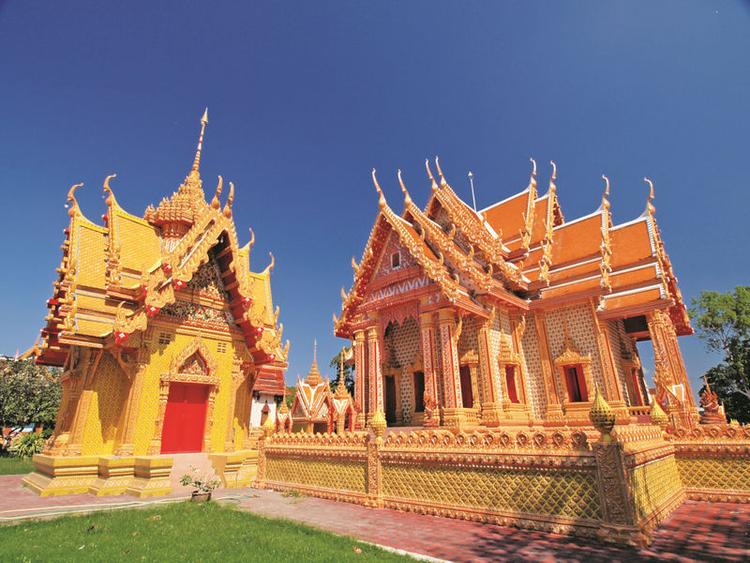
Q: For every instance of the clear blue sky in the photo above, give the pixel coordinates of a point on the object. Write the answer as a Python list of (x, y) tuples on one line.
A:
[(306, 97)]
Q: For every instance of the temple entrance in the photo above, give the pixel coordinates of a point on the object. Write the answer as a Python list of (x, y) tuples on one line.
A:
[(185, 418), (467, 395), (390, 399)]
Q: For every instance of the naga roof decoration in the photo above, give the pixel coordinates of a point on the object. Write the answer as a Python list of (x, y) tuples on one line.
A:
[(114, 277), (546, 260)]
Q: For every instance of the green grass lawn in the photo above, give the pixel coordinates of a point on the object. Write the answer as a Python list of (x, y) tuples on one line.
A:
[(182, 531), (15, 465)]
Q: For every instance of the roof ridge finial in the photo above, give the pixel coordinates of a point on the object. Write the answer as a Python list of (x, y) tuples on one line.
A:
[(72, 202), (443, 183), (197, 159), (230, 199), (650, 209), (315, 351), (605, 195), (110, 199), (381, 197), (532, 179), (215, 201), (429, 174), (552, 186), (407, 197)]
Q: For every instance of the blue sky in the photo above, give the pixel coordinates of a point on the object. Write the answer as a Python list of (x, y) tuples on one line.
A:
[(306, 97)]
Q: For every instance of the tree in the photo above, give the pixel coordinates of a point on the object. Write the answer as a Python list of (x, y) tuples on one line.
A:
[(29, 394), (348, 370), (722, 320)]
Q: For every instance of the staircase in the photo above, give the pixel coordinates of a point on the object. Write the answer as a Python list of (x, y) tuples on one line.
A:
[(182, 464)]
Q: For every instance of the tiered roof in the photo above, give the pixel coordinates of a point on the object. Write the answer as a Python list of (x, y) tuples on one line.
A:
[(114, 277), (521, 252)]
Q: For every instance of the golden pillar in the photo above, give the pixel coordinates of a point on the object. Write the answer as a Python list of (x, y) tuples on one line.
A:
[(492, 411), (374, 371), (454, 414), (429, 367), (554, 407), (359, 377)]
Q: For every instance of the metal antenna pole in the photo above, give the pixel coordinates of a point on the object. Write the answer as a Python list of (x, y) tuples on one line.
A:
[(473, 197)]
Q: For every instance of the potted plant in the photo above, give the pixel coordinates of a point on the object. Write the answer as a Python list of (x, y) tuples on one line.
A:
[(202, 485)]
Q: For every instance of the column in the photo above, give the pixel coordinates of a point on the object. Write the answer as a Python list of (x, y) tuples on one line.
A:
[(669, 366), (554, 407), (613, 388), (429, 366), (88, 377), (130, 415), (454, 415), (374, 371), (492, 412), (358, 344)]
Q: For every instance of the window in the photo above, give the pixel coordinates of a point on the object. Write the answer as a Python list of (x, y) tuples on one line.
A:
[(165, 338), (510, 383), (418, 391), (395, 260), (221, 347), (576, 384)]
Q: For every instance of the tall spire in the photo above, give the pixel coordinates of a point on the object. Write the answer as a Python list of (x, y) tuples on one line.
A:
[(197, 160), (313, 376)]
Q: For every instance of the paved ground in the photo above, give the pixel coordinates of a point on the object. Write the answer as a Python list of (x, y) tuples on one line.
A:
[(696, 531)]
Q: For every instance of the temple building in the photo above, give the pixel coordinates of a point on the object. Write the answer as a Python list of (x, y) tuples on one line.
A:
[(317, 409), (512, 314), (168, 341)]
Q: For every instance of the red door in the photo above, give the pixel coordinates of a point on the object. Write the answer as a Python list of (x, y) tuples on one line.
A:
[(185, 418)]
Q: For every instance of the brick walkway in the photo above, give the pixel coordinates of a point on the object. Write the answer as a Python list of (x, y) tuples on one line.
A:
[(696, 531)]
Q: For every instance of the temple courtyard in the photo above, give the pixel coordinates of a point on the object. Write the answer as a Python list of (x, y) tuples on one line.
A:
[(79, 526)]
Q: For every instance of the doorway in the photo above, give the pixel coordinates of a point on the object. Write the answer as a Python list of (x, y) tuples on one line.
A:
[(185, 418), (390, 399), (467, 395)]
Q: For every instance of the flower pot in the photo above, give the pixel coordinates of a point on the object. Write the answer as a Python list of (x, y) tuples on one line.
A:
[(197, 496)]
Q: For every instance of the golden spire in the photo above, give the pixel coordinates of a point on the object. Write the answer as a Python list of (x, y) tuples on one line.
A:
[(532, 180), (429, 174), (215, 201), (197, 160), (230, 199), (407, 197), (381, 197), (313, 376), (440, 172)]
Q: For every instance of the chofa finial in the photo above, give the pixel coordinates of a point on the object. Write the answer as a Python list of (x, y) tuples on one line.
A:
[(533, 166), (110, 199), (440, 172), (381, 197), (407, 197), (230, 199), (429, 174), (606, 185), (72, 202), (215, 201), (650, 201)]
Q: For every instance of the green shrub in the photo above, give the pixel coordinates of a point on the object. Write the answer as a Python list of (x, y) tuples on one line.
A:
[(26, 445)]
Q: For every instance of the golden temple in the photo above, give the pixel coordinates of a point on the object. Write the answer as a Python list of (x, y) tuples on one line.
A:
[(168, 342)]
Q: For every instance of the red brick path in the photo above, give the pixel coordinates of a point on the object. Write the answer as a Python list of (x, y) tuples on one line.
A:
[(696, 531)]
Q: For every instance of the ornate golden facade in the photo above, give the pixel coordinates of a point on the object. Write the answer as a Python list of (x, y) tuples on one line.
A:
[(144, 307), (497, 376)]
